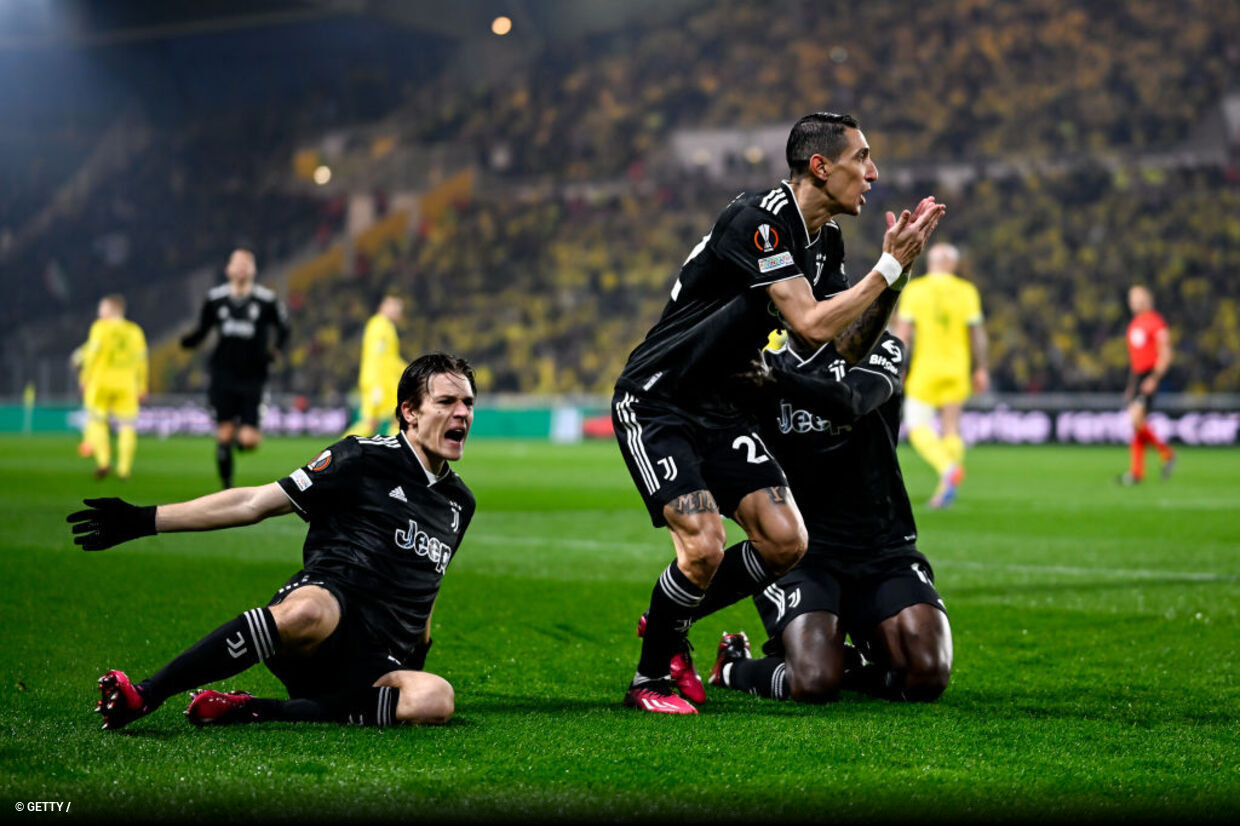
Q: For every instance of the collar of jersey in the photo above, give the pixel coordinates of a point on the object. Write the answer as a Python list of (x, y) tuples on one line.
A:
[(430, 477), (808, 241)]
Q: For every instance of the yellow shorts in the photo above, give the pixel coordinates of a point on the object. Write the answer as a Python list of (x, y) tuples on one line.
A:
[(377, 406), (103, 401), (937, 391)]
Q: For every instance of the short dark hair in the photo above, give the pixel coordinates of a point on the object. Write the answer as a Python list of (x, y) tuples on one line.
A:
[(416, 379), (819, 133)]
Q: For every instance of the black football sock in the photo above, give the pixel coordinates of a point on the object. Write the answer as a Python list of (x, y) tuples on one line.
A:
[(767, 677), (362, 707), (672, 603), (742, 573), (230, 649), (224, 461)]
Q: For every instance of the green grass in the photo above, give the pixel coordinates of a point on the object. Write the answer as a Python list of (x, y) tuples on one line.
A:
[(1095, 628)]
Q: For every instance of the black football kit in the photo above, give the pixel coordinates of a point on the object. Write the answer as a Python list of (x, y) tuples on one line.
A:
[(382, 533), (835, 430), (381, 537), (674, 410), (248, 329)]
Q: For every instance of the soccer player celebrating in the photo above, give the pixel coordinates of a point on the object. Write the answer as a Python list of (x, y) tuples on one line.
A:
[(347, 635), (771, 260), (940, 318), (381, 366), (253, 329), (835, 430), (113, 376), (1150, 353)]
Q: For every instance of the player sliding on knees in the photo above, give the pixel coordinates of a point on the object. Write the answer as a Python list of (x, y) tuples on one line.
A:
[(835, 430), (347, 635), (692, 453)]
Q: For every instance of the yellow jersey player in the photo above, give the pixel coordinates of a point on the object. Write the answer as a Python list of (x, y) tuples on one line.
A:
[(381, 368), (114, 380), (940, 318)]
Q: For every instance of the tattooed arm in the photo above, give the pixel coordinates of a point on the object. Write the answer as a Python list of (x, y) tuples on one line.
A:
[(860, 337)]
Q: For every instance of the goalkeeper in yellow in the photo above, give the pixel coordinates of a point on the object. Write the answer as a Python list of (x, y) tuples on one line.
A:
[(381, 369), (940, 319), (114, 379)]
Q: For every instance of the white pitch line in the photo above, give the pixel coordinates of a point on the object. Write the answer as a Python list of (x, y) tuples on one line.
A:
[(655, 546), (1131, 573)]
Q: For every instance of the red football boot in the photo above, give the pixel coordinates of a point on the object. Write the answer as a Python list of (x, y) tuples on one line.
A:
[(658, 697), (121, 702), (684, 675), (216, 708), (732, 647)]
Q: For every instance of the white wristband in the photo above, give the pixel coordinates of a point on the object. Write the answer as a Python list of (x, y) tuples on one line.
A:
[(889, 268)]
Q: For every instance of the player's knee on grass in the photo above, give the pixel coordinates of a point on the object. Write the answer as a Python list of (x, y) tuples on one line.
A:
[(425, 698), (921, 652), (814, 682), (927, 669), (307, 617), (814, 654)]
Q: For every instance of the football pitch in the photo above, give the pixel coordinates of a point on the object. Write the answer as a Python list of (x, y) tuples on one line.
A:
[(1097, 670)]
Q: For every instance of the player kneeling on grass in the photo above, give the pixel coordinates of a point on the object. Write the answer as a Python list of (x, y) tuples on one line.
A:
[(834, 429), (348, 635)]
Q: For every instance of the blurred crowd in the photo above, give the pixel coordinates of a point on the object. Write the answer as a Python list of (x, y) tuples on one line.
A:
[(182, 203), (953, 80), (549, 296), (557, 264)]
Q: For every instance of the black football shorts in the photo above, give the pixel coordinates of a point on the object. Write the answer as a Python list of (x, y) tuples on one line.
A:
[(669, 454), (235, 401), (347, 660), (1133, 392), (861, 595)]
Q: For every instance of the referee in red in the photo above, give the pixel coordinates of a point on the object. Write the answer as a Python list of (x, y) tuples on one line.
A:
[(1149, 351)]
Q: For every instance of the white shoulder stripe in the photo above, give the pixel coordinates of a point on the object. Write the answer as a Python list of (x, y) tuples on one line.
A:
[(218, 291), (382, 441), (774, 201)]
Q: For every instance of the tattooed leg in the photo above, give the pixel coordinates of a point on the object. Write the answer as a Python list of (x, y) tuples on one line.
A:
[(746, 567), (860, 337)]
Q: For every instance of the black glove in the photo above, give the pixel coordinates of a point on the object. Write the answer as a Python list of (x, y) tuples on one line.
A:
[(417, 661), (111, 521)]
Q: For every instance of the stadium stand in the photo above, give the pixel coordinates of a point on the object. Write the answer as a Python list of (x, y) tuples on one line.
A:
[(550, 265)]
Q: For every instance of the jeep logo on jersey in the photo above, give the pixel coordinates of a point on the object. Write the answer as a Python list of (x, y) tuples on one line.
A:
[(321, 461), (803, 421), (766, 238), (423, 544)]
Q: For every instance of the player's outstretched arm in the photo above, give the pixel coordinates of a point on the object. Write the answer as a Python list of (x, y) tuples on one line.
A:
[(195, 336), (110, 521), (819, 322)]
